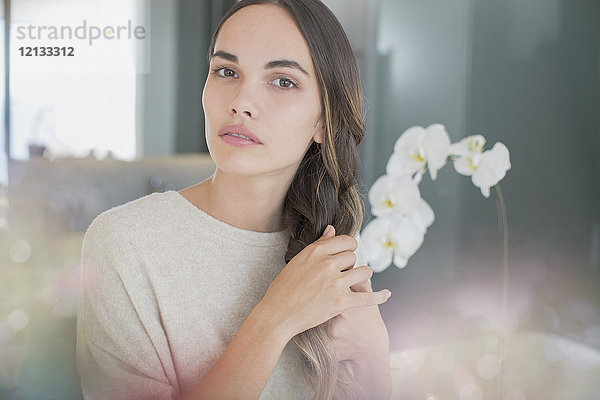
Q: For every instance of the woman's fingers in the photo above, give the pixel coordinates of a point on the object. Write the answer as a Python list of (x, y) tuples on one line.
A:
[(343, 261), (362, 286), (312, 288), (357, 275), (362, 299), (332, 245)]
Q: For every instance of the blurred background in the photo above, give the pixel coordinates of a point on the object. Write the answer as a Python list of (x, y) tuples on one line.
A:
[(80, 136)]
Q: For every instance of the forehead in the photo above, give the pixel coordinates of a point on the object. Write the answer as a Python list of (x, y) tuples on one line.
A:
[(262, 33)]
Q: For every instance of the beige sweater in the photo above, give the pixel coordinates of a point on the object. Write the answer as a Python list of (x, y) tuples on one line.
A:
[(165, 288)]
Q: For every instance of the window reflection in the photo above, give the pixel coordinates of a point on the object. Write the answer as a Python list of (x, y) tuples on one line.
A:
[(71, 106)]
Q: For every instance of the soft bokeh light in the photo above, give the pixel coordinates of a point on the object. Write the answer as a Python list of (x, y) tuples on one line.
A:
[(444, 359), (515, 394), (488, 366), (17, 320), (20, 251), (551, 348), (466, 386), (470, 391)]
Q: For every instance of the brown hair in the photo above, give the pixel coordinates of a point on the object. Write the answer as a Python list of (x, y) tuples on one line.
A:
[(325, 188)]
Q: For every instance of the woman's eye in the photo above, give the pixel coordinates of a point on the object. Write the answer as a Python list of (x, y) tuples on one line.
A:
[(227, 72), (285, 83), (281, 82)]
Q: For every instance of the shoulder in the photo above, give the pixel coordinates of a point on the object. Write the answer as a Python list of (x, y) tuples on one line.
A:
[(115, 229), (110, 249), (130, 216)]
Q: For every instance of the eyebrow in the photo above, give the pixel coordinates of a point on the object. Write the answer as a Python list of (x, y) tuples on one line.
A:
[(270, 65)]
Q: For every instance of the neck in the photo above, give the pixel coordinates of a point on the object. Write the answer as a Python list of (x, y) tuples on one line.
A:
[(251, 203)]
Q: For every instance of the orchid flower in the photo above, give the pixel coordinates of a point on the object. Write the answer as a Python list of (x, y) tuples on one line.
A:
[(403, 216), (400, 195), (486, 168), (391, 238), (418, 149)]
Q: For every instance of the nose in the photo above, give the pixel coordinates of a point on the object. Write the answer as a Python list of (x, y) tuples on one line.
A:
[(244, 103)]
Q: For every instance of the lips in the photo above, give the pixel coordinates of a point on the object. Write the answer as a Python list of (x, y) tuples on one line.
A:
[(240, 130)]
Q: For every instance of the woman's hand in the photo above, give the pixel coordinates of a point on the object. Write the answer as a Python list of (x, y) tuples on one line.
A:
[(360, 336), (360, 333), (312, 288)]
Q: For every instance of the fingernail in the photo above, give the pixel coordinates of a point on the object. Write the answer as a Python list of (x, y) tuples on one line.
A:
[(388, 293), (327, 228)]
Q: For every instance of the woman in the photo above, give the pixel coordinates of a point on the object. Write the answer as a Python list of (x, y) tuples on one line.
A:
[(197, 294)]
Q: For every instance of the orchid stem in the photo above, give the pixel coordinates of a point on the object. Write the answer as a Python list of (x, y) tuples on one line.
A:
[(503, 228)]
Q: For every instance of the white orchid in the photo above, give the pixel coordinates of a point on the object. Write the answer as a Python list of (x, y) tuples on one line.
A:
[(391, 238), (485, 168), (469, 145), (402, 215), (401, 196), (418, 149)]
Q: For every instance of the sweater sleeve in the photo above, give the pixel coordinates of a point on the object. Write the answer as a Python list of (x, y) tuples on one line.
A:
[(117, 358)]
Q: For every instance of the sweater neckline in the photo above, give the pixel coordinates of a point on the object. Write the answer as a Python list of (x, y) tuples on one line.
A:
[(230, 232)]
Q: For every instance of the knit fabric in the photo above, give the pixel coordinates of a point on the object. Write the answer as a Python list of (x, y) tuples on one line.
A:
[(165, 288)]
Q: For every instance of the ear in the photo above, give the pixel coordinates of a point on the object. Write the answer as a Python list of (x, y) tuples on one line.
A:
[(318, 137), (319, 133)]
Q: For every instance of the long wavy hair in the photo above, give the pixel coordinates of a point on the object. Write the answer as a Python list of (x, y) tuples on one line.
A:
[(325, 188)]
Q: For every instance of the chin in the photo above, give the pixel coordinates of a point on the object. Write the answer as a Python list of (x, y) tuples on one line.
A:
[(233, 164)]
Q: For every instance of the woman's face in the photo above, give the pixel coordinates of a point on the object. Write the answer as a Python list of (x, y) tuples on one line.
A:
[(262, 77)]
